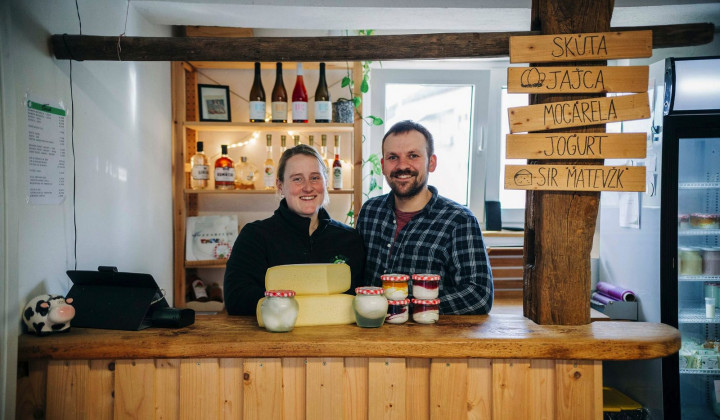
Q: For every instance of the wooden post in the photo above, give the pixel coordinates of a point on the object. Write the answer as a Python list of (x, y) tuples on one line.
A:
[(559, 225)]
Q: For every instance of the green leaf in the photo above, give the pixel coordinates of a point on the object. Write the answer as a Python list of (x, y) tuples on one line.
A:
[(375, 160), (369, 31), (357, 100), (364, 86), (346, 81), (376, 120), (373, 184)]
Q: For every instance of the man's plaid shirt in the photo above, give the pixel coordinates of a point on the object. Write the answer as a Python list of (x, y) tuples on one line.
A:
[(444, 238)]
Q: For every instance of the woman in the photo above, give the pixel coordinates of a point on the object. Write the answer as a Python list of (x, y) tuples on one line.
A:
[(300, 232)]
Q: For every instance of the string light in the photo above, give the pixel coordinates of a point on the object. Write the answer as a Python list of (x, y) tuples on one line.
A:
[(251, 140)]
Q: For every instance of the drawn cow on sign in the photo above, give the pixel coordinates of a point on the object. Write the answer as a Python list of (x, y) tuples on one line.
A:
[(45, 314)]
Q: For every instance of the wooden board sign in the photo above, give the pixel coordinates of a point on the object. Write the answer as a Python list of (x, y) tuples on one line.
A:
[(576, 146), (580, 47), (590, 79), (579, 113), (574, 178)]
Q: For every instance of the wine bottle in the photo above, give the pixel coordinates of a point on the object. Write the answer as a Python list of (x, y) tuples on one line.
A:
[(296, 140), (323, 151), (279, 97), (246, 175), (224, 171), (269, 167), (199, 291), (257, 98), (323, 106), (337, 166), (299, 98), (200, 171), (283, 144), (311, 141)]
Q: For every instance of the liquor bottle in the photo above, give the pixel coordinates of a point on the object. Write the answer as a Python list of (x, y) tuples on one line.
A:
[(337, 166), (323, 106), (200, 172), (279, 98), (215, 293), (246, 175), (311, 141), (283, 144), (257, 98), (299, 98), (224, 171), (199, 291), (323, 151), (269, 170), (296, 140)]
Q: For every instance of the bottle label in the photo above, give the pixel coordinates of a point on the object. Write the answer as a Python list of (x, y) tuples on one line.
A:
[(224, 174), (200, 172), (257, 110), (279, 111), (323, 110), (337, 178), (300, 111), (269, 176)]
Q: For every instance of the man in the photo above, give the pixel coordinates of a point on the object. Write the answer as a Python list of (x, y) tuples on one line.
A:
[(413, 230)]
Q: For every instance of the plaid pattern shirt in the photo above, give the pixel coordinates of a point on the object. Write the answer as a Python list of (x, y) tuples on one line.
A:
[(444, 238)]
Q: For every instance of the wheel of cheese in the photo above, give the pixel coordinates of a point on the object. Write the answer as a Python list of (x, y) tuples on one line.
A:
[(309, 279), (320, 310)]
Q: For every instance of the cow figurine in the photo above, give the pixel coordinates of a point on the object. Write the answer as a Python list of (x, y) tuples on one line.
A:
[(46, 314)]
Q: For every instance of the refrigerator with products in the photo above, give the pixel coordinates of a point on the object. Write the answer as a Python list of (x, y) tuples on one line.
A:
[(690, 236)]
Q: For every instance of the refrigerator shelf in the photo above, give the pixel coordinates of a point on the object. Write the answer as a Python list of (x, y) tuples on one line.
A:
[(700, 371), (698, 232), (698, 278), (697, 316), (698, 185)]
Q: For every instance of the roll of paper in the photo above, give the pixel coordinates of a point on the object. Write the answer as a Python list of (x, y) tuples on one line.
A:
[(615, 291), (603, 299)]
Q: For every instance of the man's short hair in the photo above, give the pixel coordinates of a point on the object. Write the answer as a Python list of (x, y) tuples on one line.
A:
[(403, 127)]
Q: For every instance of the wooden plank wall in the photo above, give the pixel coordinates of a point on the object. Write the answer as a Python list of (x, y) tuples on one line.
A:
[(311, 388), (507, 271)]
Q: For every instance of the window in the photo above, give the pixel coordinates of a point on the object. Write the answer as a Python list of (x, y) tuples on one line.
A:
[(512, 202), (453, 107)]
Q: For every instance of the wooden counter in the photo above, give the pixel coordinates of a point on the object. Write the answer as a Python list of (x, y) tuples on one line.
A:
[(499, 366)]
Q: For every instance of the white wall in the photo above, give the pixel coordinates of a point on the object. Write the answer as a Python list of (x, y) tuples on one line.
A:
[(122, 158)]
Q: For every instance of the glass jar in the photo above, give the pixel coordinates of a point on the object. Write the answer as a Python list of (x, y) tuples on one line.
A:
[(370, 307), (711, 261), (398, 311), (704, 221), (683, 221), (279, 310), (690, 262), (395, 286), (426, 311), (425, 286)]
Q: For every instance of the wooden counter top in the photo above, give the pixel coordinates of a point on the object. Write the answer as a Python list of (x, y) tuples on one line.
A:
[(506, 336)]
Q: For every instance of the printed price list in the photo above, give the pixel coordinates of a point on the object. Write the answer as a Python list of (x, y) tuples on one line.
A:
[(46, 153)]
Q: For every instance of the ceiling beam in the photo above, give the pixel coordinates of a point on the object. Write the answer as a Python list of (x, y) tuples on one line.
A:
[(331, 48)]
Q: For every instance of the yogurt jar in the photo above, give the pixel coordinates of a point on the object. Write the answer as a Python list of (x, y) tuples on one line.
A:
[(370, 306), (711, 261), (425, 286), (426, 311), (690, 262), (704, 221), (398, 311), (395, 286), (279, 310)]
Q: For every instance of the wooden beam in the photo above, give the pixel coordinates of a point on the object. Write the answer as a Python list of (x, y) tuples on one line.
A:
[(559, 225), (330, 48)]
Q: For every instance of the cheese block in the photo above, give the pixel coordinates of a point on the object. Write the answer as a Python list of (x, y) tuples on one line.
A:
[(309, 279), (320, 310)]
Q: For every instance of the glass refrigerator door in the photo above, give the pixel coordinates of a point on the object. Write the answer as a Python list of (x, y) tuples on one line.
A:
[(699, 275)]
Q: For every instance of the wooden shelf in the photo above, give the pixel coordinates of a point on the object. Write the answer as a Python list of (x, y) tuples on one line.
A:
[(206, 264), (298, 127)]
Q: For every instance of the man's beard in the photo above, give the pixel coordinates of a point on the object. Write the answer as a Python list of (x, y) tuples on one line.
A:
[(414, 189)]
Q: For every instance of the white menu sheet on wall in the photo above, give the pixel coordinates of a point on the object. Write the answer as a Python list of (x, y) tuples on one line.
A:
[(46, 152)]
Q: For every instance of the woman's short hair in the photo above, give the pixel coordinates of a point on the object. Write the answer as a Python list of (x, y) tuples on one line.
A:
[(303, 149)]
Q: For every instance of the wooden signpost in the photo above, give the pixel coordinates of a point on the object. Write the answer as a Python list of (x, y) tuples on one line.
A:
[(576, 146), (574, 177), (589, 79), (580, 47), (579, 113)]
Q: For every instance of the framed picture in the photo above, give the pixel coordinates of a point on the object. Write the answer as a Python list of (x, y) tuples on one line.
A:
[(214, 102)]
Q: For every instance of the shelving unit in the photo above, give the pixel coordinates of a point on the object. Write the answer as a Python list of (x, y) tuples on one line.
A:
[(187, 130)]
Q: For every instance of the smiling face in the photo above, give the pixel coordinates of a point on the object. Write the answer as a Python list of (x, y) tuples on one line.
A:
[(304, 185), (406, 163)]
